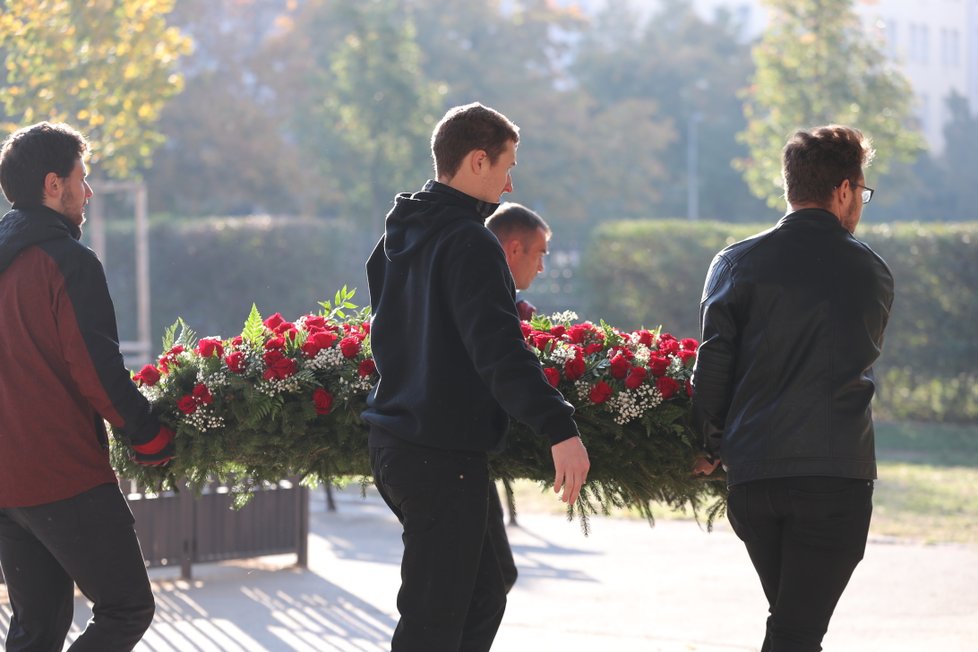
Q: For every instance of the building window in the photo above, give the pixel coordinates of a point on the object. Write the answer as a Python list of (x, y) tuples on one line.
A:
[(953, 48), (919, 44)]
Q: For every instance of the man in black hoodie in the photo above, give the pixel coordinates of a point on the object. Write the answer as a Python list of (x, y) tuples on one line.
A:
[(63, 520), (453, 362)]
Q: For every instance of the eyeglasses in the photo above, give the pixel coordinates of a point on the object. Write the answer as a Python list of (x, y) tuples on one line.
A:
[(867, 192)]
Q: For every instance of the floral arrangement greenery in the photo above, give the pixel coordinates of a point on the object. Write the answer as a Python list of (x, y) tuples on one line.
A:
[(283, 399)]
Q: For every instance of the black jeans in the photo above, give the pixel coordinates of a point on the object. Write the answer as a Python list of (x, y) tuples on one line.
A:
[(452, 595), (805, 536), (89, 540), (500, 540)]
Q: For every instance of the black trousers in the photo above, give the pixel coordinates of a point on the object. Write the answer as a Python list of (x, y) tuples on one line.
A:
[(805, 537), (86, 540), (500, 540), (452, 594)]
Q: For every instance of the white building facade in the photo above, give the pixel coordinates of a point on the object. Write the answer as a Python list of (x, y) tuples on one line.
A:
[(934, 43)]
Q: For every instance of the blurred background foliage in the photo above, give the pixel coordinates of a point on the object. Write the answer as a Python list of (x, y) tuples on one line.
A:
[(273, 134)]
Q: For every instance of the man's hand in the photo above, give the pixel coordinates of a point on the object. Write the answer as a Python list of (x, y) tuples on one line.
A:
[(571, 464), (157, 451), (159, 458), (704, 465)]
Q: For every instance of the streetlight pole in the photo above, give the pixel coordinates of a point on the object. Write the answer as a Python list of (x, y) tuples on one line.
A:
[(692, 167)]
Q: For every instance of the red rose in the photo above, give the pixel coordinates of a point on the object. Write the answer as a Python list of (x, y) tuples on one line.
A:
[(667, 346), (558, 330), (526, 328), (645, 337), (541, 340), (367, 368), (593, 348), (658, 365), (202, 395), (350, 346), (236, 361), (689, 389), (210, 346), (317, 342), (686, 356), (667, 386), (578, 332), (601, 392), (689, 344), (315, 322), (237, 340), (187, 404), (574, 369), (274, 322), (323, 401), (170, 357), (553, 375), (619, 366), (288, 331), (278, 366), (275, 343), (636, 377), (148, 375), (365, 327)]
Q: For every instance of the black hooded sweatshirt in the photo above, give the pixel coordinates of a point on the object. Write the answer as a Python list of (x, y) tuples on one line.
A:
[(61, 372), (445, 333)]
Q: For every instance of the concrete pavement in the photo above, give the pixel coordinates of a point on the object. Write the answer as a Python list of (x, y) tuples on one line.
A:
[(625, 588)]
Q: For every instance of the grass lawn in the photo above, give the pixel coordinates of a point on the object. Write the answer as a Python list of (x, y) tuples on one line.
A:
[(927, 489), (928, 482)]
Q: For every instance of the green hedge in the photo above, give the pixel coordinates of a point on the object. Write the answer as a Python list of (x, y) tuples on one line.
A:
[(210, 270), (635, 273), (649, 272)]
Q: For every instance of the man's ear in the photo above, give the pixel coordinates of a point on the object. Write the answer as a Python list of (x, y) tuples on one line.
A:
[(478, 161), (513, 247), (53, 185)]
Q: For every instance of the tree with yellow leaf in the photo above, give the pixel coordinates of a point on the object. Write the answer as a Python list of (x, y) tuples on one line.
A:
[(105, 66), (816, 65)]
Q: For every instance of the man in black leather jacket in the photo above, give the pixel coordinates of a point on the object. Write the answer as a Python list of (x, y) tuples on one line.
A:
[(792, 321)]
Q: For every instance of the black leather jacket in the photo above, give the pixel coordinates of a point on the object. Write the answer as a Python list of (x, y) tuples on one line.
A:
[(791, 321)]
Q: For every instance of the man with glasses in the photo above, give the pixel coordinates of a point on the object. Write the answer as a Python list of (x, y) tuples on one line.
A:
[(792, 321)]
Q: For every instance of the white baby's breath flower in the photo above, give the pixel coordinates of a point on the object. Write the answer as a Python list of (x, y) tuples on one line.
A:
[(326, 359), (563, 317), (642, 355), (203, 419), (632, 404), (562, 353), (676, 366), (152, 393)]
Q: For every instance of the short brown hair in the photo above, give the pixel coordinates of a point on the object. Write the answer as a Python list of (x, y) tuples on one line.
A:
[(466, 128), (29, 154), (814, 162), (515, 220)]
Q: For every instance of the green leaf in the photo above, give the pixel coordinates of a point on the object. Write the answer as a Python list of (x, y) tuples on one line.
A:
[(254, 326), (169, 335)]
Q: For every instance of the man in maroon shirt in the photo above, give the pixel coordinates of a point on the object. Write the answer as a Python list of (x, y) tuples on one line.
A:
[(63, 520)]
